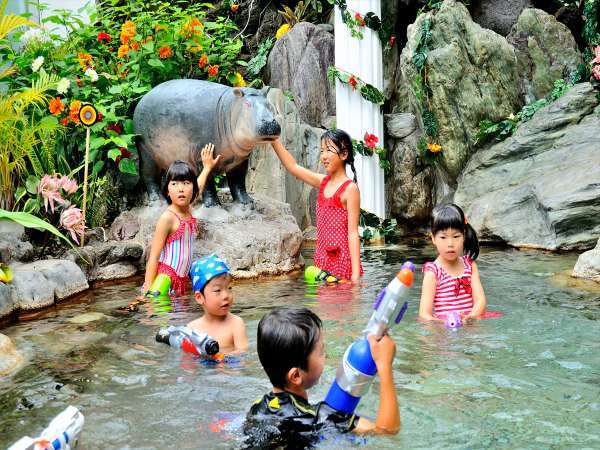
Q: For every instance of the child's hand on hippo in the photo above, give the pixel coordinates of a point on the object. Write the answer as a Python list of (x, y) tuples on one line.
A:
[(206, 154)]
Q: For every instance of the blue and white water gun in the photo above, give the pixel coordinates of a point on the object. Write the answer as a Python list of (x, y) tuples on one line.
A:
[(357, 371), (61, 433)]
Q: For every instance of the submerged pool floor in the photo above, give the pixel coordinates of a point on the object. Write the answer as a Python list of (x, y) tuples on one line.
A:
[(530, 379)]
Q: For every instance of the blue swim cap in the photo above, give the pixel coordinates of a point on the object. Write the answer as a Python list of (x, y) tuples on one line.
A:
[(205, 269)]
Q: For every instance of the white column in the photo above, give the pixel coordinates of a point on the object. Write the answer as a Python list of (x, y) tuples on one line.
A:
[(355, 115)]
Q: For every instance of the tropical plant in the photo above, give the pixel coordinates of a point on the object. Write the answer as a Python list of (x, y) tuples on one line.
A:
[(21, 132), (259, 60), (30, 221), (386, 228), (296, 15)]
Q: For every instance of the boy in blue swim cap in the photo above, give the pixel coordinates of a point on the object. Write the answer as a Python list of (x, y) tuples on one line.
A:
[(211, 282)]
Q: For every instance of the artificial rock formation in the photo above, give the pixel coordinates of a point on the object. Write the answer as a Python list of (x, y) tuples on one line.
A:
[(588, 264), (472, 73), (298, 63), (498, 15), (541, 187), (546, 51)]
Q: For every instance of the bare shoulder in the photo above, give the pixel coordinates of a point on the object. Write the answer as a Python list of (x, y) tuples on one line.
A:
[(236, 320), (196, 324)]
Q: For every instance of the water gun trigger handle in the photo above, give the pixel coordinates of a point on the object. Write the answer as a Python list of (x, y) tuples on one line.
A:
[(401, 313), (378, 299)]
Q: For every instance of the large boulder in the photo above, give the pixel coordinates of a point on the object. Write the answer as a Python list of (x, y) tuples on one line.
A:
[(298, 63), (267, 176), (588, 264), (7, 302), (472, 73), (499, 15), (10, 358), (254, 242), (546, 51), (42, 283), (541, 187), (411, 182), (12, 245)]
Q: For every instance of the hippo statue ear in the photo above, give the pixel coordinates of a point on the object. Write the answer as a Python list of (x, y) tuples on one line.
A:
[(238, 92)]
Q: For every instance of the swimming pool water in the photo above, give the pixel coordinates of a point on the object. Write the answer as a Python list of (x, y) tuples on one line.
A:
[(530, 379)]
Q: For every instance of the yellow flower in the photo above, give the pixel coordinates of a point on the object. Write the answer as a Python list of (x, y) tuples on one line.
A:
[(239, 80), (123, 51), (282, 30), (434, 148)]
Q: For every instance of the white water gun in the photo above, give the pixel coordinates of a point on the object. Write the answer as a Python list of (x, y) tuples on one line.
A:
[(61, 434)]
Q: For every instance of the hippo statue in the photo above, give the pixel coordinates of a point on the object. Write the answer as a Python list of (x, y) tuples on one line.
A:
[(178, 117)]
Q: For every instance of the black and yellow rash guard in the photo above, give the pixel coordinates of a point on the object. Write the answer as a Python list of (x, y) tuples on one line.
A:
[(285, 420)]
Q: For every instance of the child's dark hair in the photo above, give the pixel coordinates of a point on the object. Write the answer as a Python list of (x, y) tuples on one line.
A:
[(286, 337), (180, 171), (452, 216), (343, 141)]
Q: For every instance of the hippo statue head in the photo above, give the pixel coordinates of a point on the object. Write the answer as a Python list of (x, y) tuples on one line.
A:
[(252, 120)]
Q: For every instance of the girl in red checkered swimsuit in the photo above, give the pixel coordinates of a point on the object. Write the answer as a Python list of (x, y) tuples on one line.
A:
[(338, 204), (451, 282)]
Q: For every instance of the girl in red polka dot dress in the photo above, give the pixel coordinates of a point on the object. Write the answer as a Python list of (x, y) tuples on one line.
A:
[(338, 204)]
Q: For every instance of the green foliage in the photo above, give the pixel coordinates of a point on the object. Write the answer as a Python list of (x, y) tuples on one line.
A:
[(387, 228), (430, 123), (506, 127), (381, 152), (259, 60), (367, 91), (426, 155)]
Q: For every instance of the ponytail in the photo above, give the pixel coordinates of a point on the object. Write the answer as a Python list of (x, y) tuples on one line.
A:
[(452, 216)]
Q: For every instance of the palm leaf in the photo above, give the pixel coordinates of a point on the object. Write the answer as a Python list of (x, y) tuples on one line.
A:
[(7, 72), (11, 22)]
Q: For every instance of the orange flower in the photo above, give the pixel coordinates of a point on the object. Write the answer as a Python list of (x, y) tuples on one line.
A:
[(194, 26), (127, 32), (56, 106), (74, 108), (135, 46), (123, 50), (234, 7), (195, 48), (213, 71), (352, 81), (85, 60), (165, 52), (64, 121), (434, 148), (203, 61)]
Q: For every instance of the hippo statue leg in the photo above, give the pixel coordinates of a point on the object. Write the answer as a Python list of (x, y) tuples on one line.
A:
[(236, 179), (209, 196), (149, 174)]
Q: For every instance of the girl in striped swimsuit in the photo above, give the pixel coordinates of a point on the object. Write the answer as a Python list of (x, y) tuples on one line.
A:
[(171, 250), (451, 282)]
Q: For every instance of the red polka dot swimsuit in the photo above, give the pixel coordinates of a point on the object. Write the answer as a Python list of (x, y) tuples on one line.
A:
[(333, 252)]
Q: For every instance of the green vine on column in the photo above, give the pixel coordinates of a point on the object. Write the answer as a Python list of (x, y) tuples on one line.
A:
[(429, 150), (367, 91), (355, 22)]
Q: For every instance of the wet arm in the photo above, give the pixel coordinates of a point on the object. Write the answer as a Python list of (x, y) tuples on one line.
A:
[(427, 296), (290, 164), (208, 164), (479, 300), (240, 339), (353, 206), (163, 227)]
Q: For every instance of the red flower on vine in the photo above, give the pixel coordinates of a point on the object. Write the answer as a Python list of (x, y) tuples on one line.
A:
[(359, 19), (124, 154), (392, 41), (115, 127), (103, 37), (371, 140), (352, 81)]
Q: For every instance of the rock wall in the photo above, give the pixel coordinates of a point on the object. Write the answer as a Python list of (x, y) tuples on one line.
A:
[(541, 187)]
